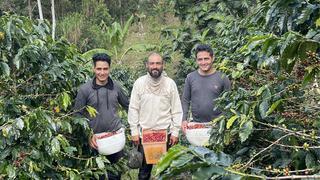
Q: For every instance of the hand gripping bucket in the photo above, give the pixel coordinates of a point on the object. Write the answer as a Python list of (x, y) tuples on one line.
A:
[(111, 142)]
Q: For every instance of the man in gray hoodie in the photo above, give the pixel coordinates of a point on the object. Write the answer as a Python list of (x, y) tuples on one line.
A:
[(105, 95)]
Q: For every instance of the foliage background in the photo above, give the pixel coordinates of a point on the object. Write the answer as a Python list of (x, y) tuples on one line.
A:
[(268, 48)]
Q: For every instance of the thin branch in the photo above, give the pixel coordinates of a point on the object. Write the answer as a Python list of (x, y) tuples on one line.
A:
[(296, 177), (294, 147), (75, 157), (288, 130), (290, 172), (251, 159)]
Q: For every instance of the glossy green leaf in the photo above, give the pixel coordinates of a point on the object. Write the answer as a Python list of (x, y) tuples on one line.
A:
[(310, 160), (55, 146), (263, 108), (207, 172), (182, 160), (100, 162), (92, 111), (246, 130), (171, 155), (231, 121), (318, 22), (305, 15), (4, 68), (273, 107), (66, 100)]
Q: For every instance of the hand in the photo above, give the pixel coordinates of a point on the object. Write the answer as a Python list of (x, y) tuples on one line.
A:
[(93, 142), (184, 126), (135, 139), (173, 140)]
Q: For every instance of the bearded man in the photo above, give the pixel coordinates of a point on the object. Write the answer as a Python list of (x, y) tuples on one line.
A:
[(155, 105)]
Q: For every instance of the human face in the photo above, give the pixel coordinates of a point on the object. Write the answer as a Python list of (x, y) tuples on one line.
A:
[(155, 65), (204, 61), (101, 71)]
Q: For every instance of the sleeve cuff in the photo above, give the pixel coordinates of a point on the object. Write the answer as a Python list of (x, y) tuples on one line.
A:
[(134, 131), (175, 133)]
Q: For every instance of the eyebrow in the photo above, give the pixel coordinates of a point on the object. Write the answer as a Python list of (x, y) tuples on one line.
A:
[(204, 58)]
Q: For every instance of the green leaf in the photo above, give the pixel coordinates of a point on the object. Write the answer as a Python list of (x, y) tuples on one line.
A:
[(100, 162), (193, 166), (306, 46), (17, 58), (171, 155), (182, 160), (55, 146), (263, 108), (289, 52), (309, 75), (92, 111), (310, 161), (221, 126), (207, 172), (224, 159), (11, 172), (260, 90), (231, 121), (273, 107), (5, 69), (318, 22), (19, 123), (305, 14), (66, 100), (246, 130)]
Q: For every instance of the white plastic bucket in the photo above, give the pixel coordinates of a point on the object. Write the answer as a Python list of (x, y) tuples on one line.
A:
[(198, 136), (112, 144)]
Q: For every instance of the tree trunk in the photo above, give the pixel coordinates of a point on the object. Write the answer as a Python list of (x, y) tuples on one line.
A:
[(40, 10), (53, 14), (29, 9), (121, 17)]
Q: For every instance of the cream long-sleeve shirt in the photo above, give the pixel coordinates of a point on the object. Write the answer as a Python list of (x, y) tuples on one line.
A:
[(155, 104)]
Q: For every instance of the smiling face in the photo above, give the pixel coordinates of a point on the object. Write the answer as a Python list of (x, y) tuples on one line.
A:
[(101, 71), (204, 61), (154, 65)]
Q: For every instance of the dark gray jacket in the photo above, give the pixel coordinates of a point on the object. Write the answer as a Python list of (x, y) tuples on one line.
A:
[(106, 100)]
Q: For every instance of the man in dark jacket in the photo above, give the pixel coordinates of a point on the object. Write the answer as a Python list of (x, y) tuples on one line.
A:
[(105, 95)]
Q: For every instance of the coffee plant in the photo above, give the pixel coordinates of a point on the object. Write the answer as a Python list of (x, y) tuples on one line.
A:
[(270, 51)]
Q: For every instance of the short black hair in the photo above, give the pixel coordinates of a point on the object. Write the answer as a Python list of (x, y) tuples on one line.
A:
[(101, 57), (204, 47)]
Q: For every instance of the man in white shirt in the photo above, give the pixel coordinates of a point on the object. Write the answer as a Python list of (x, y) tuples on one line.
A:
[(154, 104)]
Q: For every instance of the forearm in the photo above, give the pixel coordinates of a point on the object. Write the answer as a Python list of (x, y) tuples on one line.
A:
[(133, 120)]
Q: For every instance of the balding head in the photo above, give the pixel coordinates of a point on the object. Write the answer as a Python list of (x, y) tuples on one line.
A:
[(154, 65), (154, 55)]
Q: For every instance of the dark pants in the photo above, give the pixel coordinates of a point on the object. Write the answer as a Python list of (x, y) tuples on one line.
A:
[(113, 158), (145, 170)]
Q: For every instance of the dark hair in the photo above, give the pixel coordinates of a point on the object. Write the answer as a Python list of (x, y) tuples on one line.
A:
[(101, 57), (204, 47)]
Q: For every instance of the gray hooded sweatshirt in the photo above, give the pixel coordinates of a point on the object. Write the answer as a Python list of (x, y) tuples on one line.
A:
[(105, 99)]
